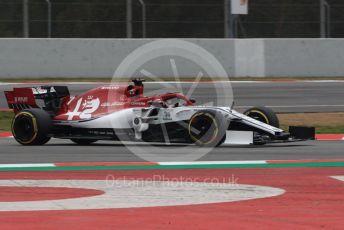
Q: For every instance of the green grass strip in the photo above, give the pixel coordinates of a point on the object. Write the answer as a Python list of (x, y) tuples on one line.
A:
[(140, 167)]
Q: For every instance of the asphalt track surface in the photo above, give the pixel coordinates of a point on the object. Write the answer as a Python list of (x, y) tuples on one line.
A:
[(296, 96), (106, 151)]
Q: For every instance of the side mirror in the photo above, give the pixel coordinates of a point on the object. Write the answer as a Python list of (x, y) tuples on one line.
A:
[(192, 100)]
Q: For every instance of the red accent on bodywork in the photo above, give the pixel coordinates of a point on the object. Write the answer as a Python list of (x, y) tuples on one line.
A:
[(64, 105), (112, 98), (20, 96)]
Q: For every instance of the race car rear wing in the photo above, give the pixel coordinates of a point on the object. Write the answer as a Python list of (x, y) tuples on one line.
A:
[(24, 98), (20, 98)]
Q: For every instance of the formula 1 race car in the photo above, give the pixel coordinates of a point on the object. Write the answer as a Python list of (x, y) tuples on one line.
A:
[(122, 112)]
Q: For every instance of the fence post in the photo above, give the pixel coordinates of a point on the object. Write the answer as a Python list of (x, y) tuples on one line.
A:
[(228, 20), (143, 5), (129, 19), (26, 23), (49, 18), (325, 19)]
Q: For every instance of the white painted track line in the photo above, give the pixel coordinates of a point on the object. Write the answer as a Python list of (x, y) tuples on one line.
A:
[(211, 162), (26, 165)]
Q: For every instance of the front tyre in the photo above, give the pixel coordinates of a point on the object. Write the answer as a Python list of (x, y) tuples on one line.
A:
[(32, 127), (263, 114), (207, 128)]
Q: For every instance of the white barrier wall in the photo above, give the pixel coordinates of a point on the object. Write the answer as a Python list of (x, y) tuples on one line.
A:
[(311, 57), (32, 58)]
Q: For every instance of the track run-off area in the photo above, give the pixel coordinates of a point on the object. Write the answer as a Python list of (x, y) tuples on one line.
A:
[(105, 186), (280, 195)]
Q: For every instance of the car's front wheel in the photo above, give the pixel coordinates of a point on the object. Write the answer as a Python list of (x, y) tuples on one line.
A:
[(207, 128), (265, 115)]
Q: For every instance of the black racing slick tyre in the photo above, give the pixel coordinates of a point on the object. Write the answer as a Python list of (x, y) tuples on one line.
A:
[(83, 141), (263, 114), (207, 128), (32, 127)]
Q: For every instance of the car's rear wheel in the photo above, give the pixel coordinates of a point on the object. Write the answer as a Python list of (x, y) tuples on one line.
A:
[(32, 127), (207, 128), (83, 141)]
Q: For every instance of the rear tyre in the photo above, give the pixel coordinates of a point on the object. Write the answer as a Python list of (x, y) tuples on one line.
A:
[(83, 141), (207, 128), (32, 127)]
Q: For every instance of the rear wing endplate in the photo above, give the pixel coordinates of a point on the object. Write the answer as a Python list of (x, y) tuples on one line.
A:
[(20, 98)]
